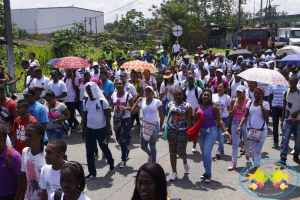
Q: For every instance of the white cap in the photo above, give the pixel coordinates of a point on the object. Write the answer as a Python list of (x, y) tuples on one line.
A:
[(269, 51), (220, 70), (33, 64), (150, 87), (95, 64)]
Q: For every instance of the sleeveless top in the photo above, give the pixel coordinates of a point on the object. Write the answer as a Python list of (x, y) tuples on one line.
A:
[(238, 115), (209, 117)]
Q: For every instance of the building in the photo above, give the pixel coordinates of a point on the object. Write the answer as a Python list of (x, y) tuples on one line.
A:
[(44, 21)]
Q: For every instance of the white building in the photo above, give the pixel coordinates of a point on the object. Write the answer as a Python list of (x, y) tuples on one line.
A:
[(44, 21)]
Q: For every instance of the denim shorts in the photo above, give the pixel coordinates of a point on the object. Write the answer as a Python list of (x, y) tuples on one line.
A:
[(154, 136)]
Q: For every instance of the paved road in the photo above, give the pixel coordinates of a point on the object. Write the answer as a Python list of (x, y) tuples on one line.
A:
[(120, 185)]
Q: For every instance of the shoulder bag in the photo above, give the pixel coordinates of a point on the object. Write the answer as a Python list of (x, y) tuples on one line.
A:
[(118, 120), (166, 123), (254, 134)]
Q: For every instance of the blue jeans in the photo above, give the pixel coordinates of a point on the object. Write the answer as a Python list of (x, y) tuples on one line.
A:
[(122, 138), (80, 108), (207, 140), (220, 132), (55, 133), (287, 129), (91, 138), (236, 140)]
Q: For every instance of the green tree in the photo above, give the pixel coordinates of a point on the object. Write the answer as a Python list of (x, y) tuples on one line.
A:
[(111, 26), (2, 20)]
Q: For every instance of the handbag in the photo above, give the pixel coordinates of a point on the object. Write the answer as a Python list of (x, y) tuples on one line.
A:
[(253, 133), (117, 121), (166, 123), (148, 129), (65, 125)]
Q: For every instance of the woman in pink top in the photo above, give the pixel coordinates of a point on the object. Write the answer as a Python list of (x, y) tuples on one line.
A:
[(237, 109)]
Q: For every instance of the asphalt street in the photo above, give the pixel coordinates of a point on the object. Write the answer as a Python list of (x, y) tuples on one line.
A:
[(120, 184)]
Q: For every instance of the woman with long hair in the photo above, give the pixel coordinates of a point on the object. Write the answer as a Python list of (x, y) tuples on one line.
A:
[(237, 110), (258, 113), (180, 120), (150, 107), (209, 130), (167, 90), (150, 183), (121, 105)]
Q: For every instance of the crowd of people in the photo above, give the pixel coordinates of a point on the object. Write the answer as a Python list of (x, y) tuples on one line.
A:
[(185, 90)]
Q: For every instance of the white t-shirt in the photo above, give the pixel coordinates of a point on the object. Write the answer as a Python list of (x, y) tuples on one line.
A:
[(81, 88), (81, 197), (95, 116), (143, 84), (32, 166), (80, 73), (118, 72), (182, 76), (49, 179), (249, 94), (71, 95), (197, 73), (236, 67), (176, 48), (177, 78), (35, 61), (223, 65), (168, 95), (58, 88), (191, 98), (117, 102), (44, 81), (29, 79), (207, 66), (255, 115), (222, 103), (158, 48), (128, 87), (150, 111), (234, 85), (93, 75)]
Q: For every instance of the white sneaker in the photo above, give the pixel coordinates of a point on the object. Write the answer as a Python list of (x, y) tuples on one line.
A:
[(122, 164), (186, 167), (173, 177), (292, 152), (69, 133), (194, 148)]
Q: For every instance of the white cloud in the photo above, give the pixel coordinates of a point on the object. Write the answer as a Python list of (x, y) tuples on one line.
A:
[(140, 5)]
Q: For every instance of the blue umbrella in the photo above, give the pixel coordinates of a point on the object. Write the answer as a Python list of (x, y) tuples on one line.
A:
[(293, 59), (52, 61), (135, 53)]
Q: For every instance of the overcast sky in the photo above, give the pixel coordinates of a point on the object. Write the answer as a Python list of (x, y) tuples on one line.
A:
[(290, 6)]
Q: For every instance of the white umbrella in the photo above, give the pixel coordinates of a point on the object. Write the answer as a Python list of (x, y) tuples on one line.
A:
[(289, 50), (266, 76)]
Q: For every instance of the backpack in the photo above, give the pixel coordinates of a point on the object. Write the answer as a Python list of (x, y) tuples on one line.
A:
[(189, 66), (196, 90), (9, 152), (31, 118)]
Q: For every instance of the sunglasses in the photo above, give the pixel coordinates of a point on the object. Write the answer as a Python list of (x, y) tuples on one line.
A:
[(229, 75)]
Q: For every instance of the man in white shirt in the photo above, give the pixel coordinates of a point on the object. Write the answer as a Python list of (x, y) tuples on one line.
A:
[(238, 62), (175, 48), (32, 59), (263, 57), (236, 82), (39, 79), (269, 57), (96, 72), (159, 47), (209, 64), (189, 64), (96, 127), (57, 86), (50, 173), (222, 64)]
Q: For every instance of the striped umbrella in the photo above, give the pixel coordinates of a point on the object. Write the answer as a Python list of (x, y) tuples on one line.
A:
[(139, 66)]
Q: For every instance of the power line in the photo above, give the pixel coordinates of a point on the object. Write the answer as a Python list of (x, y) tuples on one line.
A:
[(84, 20), (254, 3)]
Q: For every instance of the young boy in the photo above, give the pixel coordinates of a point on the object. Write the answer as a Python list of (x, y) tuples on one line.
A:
[(50, 174), (20, 125)]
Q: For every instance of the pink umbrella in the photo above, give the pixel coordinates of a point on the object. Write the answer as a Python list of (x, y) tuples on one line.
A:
[(267, 76), (71, 63)]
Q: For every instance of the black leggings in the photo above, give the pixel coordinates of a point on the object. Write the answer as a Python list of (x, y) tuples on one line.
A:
[(135, 117)]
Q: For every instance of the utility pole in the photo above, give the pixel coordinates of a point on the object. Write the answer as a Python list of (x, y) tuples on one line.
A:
[(270, 13), (254, 13), (85, 24), (9, 41), (261, 12), (90, 23), (96, 24), (239, 25)]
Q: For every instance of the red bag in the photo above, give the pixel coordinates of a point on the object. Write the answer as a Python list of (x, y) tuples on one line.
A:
[(194, 131)]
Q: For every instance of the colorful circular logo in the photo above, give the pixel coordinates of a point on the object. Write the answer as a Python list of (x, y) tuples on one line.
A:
[(269, 179)]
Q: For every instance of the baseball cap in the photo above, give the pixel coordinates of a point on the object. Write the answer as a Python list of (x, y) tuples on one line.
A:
[(150, 87), (95, 64), (210, 49), (53, 72), (96, 80), (25, 62), (123, 74), (269, 51), (241, 88), (29, 91), (186, 56), (237, 71), (220, 70)]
